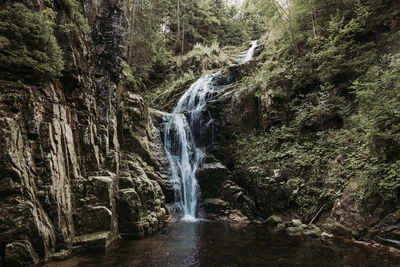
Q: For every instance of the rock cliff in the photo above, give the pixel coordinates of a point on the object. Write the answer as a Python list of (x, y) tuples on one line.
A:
[(77, 164)]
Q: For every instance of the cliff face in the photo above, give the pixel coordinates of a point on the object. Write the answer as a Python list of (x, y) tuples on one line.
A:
[(74, 169)]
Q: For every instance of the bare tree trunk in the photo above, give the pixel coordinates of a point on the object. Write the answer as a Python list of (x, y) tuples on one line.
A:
[(312, 18), (183, 37), (179, 22), (132, 31), (291, 27)]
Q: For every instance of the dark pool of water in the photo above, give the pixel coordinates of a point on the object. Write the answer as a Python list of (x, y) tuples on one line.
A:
[(215, 244)]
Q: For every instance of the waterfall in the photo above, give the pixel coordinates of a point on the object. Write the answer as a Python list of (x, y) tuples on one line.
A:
[(181, 140), (248, 55)]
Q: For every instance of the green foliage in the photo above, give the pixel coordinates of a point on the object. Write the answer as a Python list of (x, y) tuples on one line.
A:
[(166, 95), (131, 83), (230, 28), (202, 58), (78, 21), (378, 93), (27, 43), (333, 106), (332, 53), (184, 69), (184, 25)]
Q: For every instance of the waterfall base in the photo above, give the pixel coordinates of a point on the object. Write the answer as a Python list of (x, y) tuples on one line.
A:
[(188, 218)]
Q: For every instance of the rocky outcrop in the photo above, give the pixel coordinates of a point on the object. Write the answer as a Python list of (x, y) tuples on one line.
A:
[(141, 202), (224, 200), (210, 177), (65, 185)]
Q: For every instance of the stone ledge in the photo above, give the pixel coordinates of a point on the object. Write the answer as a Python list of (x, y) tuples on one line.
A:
[(94, 242)]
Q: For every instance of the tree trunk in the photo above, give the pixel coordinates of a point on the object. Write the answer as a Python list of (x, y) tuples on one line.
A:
[(312, 18), (179, 22), (291, 27), (131, 32), (183, 37)]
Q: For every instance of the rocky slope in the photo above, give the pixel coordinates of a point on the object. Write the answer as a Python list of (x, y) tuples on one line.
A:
[(77, 162), (328, 195)]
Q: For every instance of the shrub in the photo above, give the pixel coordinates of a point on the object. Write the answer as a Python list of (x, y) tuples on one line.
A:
[(78, 21), (27, 43)]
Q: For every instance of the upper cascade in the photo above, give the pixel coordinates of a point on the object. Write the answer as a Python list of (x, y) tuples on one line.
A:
[(248, 55), (181, 133)]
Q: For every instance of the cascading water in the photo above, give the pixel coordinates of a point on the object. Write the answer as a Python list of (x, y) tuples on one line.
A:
[(181, 146), (248, 55)]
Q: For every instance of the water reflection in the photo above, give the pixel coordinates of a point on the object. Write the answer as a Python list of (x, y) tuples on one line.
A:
[(207, 243)]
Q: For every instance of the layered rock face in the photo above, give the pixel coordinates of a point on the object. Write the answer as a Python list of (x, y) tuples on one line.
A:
[(76, 154)]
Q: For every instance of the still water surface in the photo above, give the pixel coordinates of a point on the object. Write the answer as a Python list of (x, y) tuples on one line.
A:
[(205, 243)]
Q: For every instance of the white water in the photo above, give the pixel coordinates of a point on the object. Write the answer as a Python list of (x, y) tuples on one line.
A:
[(180, 145), (248, 55)]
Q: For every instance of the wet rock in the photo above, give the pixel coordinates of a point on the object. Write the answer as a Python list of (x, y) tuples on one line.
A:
[(157, 116), (345, 218), (270, 197), (326, 235), (280, 227), (61, 255), (296, 222), (215, 206), (136, 127), (394, 251), (295, 230), (239, 199), (93, 242), (162, 167), (337, 228), (20, 253), (96, 218), (274, 220), (210, 177), (125, 181), (313, 232)]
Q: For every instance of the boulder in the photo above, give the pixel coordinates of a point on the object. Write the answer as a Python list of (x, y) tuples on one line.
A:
[(238, 198), (274, 220), (96, 219), (339, 229), (313, 231), (210, 177), (215, 205), (20, 253), (296, 222), (325, 235), (94, 242), (295, 230)]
